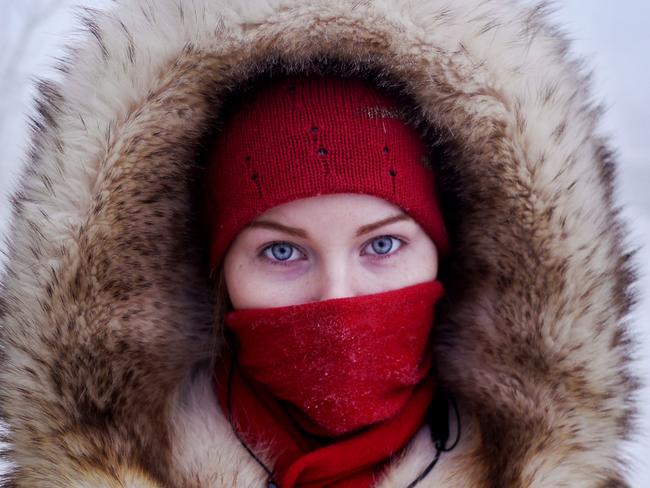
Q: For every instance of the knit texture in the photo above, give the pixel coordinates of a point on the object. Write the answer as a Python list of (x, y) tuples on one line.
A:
[(300, 137), (334, 387)]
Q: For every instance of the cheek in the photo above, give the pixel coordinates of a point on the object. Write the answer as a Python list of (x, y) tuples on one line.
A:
[(239, 280), (251, 284), (416, 264), (419, 264), (244, 285), (429, 260)]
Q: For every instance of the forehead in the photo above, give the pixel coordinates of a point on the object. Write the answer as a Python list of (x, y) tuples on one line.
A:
[(346, 206)]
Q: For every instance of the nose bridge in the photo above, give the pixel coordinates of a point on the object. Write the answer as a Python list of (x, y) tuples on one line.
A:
[(336, 278)]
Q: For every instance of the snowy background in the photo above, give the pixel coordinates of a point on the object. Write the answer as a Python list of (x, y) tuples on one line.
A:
[(612, 35)]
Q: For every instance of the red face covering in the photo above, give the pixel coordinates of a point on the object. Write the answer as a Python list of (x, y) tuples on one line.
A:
[(353, 371)]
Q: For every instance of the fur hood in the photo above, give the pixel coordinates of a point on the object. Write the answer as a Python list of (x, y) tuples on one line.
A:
[(106, 316)]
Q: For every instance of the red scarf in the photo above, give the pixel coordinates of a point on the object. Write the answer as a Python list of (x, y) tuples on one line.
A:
[(334, 388)]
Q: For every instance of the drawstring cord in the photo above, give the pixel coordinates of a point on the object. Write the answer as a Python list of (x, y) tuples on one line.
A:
[(439, 432)]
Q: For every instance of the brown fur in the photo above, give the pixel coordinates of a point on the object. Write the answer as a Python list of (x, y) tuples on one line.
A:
[(108, 316)]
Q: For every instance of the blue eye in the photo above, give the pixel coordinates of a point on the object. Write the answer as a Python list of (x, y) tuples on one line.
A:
[(279, 252), (383, 245), (284, 252)]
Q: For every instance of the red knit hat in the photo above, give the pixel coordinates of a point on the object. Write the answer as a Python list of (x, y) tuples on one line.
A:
[(299, 137)]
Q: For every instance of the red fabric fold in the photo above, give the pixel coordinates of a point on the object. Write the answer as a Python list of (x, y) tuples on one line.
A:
[(355, 462), (333, 388)]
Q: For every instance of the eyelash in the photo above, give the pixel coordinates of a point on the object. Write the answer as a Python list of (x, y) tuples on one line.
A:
[(366, 244)]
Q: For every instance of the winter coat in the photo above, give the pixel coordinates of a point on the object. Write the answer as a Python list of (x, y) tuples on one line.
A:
[(106, 312)]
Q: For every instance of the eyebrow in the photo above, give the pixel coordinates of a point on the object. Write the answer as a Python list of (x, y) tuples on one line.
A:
[(364, 229)]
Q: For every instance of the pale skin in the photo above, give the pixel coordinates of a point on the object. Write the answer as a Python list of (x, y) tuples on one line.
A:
[(326, 246)]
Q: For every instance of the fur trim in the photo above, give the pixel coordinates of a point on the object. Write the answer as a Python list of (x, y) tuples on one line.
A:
[(105, 310)]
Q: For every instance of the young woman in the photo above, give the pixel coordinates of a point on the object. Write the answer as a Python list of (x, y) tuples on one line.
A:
[(326, 233), (121, 366)]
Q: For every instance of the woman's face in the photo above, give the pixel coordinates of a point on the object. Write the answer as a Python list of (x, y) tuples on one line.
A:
[(327, 246)]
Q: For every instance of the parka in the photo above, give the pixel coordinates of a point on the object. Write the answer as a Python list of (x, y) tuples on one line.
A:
[(107, 330)]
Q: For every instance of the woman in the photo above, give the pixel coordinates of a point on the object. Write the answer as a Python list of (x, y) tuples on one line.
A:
[(108, 340), (326, 233)]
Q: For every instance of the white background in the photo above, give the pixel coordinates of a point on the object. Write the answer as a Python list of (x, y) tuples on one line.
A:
[(612, 35)]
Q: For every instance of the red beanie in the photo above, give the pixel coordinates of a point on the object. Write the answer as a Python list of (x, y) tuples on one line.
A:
[(299, 137)]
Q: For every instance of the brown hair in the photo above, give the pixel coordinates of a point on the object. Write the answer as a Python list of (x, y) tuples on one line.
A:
[(221, 306)]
